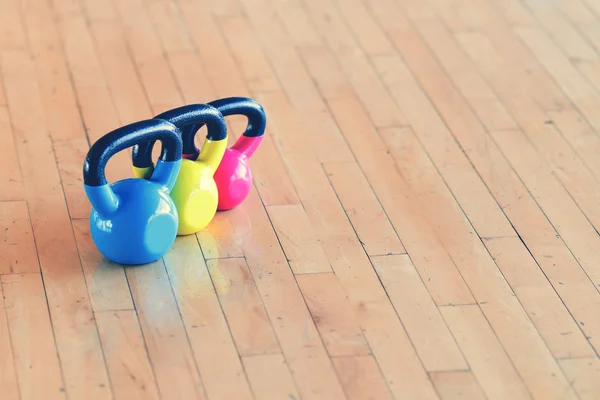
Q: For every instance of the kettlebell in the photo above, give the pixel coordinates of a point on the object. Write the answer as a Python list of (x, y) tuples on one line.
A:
[(134, 221), (233, 177), (195, 191)]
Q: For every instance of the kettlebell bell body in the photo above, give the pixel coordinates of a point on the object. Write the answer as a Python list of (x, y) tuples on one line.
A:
[(233, 176), (195, 192), (134, 221)]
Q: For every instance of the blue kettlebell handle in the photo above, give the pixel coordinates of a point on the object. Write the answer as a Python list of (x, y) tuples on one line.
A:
[(98, 189), (257, 120), (182, 118)]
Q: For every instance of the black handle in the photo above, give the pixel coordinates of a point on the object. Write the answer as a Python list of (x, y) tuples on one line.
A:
[(127, 136), (184, 118), (257, 120)]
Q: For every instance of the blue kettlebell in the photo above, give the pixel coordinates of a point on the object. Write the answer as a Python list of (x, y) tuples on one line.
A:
[(134, 221)]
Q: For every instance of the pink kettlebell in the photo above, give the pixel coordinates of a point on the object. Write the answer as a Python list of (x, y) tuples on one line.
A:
[(233, 176)]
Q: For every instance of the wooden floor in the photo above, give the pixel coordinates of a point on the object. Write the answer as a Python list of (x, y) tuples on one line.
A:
[(424, 222)]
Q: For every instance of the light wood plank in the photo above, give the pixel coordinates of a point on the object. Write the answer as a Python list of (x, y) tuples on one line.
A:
[(129, 368), (332, 315), (528, 80), (300, 244), (590, 70), (12, 34), (69, 156), (165, 19), (457, 63), (106, 281), (62, 117), (562, 210), (560, 331), (36, 361), (243, 308), (580, 134), (355, 65), (8, 374), (569, 168), (366, 214), (440, 102), (294, 79), (191, 77), (147, 52), (533, 80), (417, 311), (456, 385), (353, 269), (3, 99), (270, 377), (17, 247), (558, 29), (465, 75), (121, 76), (585, 21), (222, 8), (577, 11), (368, 33), (219, 64), (515, 13), (10, 174), (269, 172), (458, 173), (256, 71), (584, 374), (361, 378), (571, 81), (489, 363), (96, 105), (592, 6), (567, 77), (488, 285), (70, 308), (510, 193), (221, 238), (405, 213), (297, 335), (461, 178), (212, 343), (164, 333)]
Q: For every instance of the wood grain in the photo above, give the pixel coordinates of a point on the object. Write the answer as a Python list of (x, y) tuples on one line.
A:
[(427, 190), (454, 385), (17, 248), (127, 360), (8, 374), (36, 361)]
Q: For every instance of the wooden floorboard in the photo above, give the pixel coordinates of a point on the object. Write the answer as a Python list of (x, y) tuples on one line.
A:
[(424, 220)]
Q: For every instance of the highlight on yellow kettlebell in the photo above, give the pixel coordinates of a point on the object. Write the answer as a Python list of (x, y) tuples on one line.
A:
[(195, 192)]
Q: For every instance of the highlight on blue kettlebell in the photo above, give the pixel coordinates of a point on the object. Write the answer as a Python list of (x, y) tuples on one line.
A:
[(134, 221)]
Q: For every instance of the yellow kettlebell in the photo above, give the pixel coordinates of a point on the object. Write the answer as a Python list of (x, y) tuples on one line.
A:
[(195, 192)]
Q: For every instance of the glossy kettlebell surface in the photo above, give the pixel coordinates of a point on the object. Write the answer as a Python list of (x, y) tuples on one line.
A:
[(196, 195), (134, 221), (195, 192), (233, 176)]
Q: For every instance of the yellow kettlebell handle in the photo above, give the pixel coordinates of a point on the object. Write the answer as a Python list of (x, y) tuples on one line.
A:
[(212, 153)]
